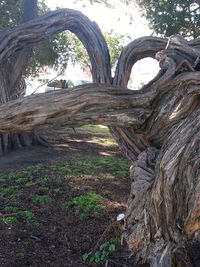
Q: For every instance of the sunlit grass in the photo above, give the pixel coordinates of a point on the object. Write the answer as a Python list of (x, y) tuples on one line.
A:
[(95, 129), (106, 142)]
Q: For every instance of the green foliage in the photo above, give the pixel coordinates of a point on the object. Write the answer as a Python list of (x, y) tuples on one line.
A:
[(95, 129), (102, 254), (3, 177), (29, 218), (115, 44), (85, 205), (79, 54), (173, 17), (42, 200), (18, 215), (86, 166), (20, 254), (20, 177), (11, 220), (11, 12), (51, 52), (11, 192), (11, 209)]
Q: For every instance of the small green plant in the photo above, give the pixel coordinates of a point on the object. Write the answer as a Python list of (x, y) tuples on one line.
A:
[(11, 209), (46, 179), (18, 215), (20, 254), (29, 217), (10, 220), (42, 200), (60, 180), (86, 204), (101, 255), (20, 177), (11, 192), (38, 168), (57, 191), (3, 177)]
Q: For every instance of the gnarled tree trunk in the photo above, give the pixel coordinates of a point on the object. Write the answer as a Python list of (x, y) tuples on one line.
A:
[(157, 128), (13, 86)]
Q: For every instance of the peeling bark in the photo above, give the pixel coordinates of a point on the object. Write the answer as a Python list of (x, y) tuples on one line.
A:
[(13, 86), (157, 128)]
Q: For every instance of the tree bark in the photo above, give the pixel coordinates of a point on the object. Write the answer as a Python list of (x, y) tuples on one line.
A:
[(157, 127), (88, 32), (13, 86)]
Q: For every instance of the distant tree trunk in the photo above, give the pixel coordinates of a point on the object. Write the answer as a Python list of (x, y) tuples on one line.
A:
[(157, 128), (13, 86)]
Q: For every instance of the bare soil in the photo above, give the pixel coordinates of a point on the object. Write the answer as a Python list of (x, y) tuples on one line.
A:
[(56, 237)]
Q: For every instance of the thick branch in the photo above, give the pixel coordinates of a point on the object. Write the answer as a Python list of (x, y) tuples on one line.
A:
[(85, 104), (138, 49)]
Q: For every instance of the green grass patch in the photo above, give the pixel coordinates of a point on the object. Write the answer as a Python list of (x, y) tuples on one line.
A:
[(29, 217), (107, 142), (19, 215), (3, 177), (11, 209), (42, 200), (10, 220), (20, 177), (95, 129), (11, 192), (104, 251), (84, 205), (86, 166)]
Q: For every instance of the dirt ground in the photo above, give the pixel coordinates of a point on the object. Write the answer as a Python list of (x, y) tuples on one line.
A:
[(41, 223)]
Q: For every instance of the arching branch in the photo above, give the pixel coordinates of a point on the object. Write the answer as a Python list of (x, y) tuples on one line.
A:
[(55, 22), (138, 49)]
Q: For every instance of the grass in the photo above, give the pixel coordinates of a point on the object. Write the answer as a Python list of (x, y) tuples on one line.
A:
[(42, 200), (95, 129), (11, 220), (18, 215), (85, 205), (88, 166), (102, 254), (32, 197), (3, 177), (51, 179), (11, 209), (11, 192)]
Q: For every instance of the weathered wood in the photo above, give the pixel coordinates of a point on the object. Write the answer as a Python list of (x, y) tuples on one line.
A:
[(158, 128), (17, 58), (88, 32), (12, 83), (84, 104)]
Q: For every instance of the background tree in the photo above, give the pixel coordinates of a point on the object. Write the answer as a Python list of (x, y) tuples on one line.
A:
[(12, 84), (46, 53), (79, 55), (172, 17)]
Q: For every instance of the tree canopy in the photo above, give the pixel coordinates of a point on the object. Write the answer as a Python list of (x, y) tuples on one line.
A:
[(173, 17), (79, 55)]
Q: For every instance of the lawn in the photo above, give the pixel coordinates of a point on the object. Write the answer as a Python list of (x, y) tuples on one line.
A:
[(62, 211)]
